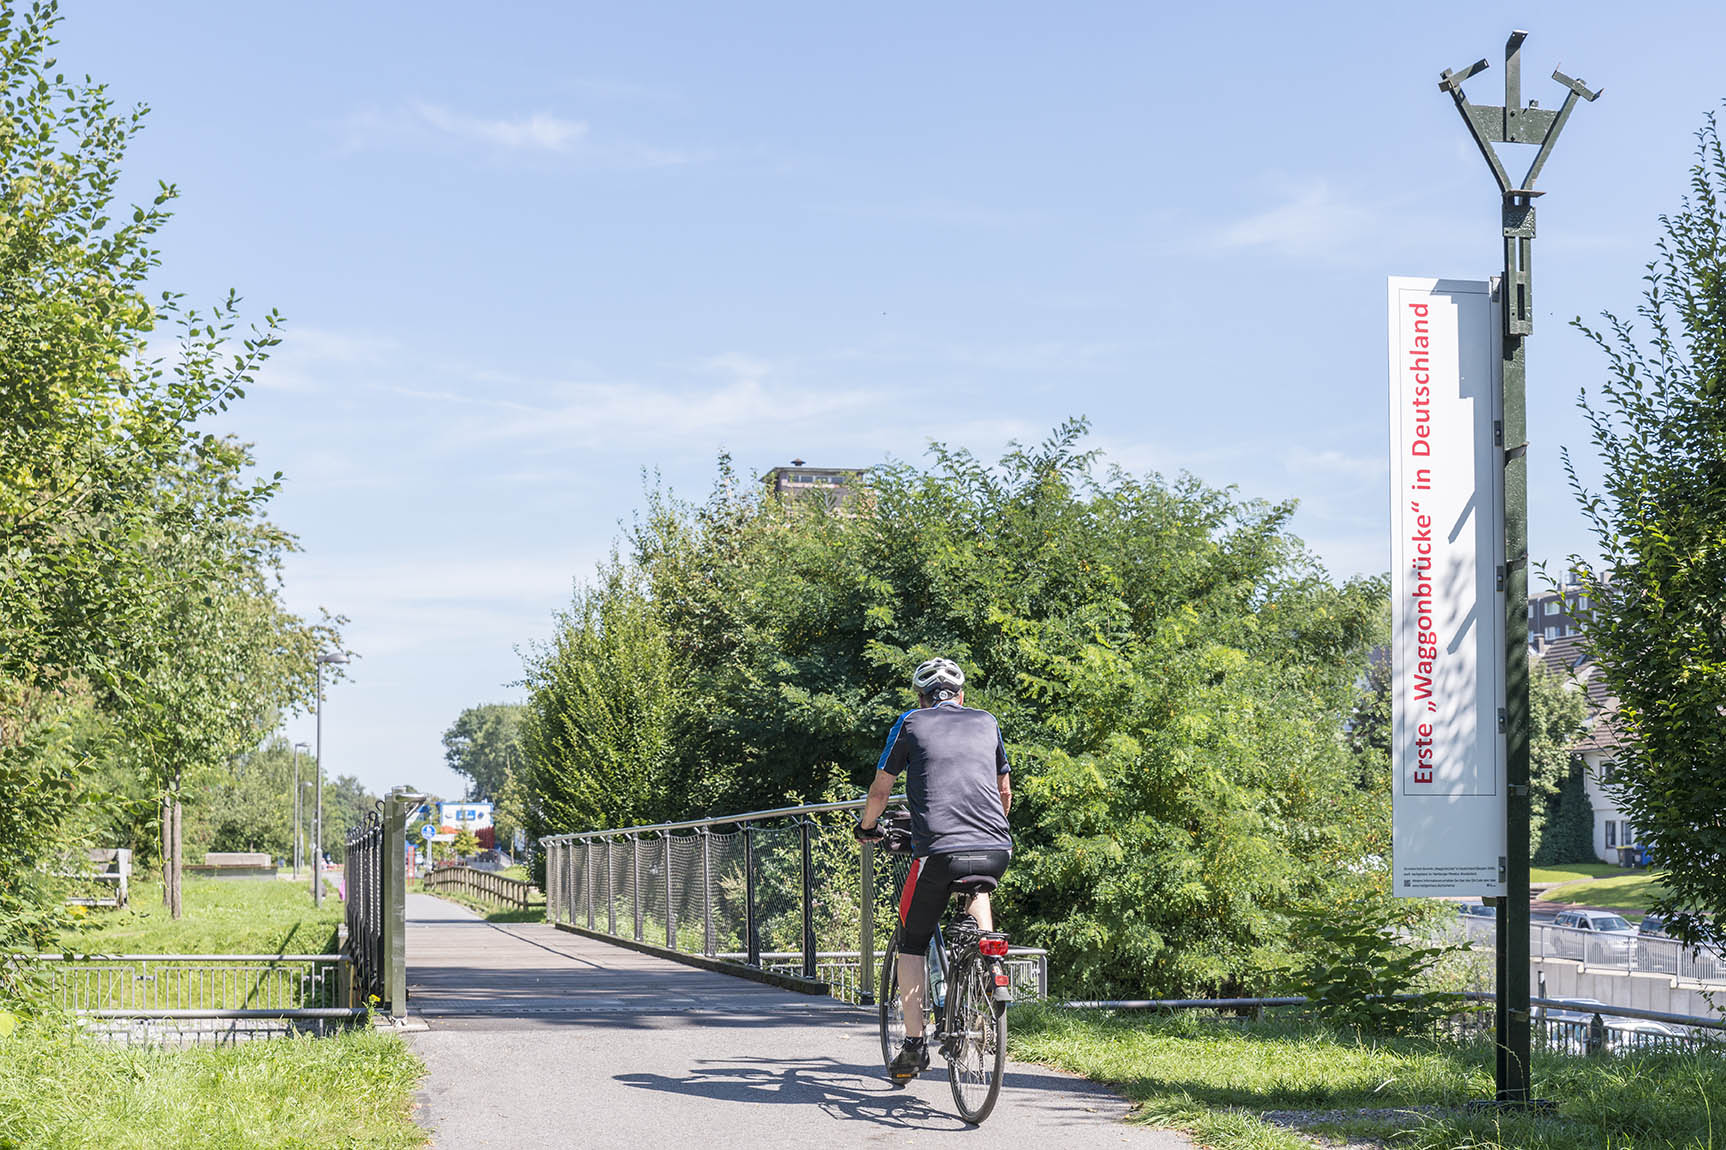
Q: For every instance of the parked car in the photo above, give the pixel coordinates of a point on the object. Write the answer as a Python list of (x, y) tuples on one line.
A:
[(1623, 1034), (1477, 910), (1592, 936), (1565, 1028), (1659, 949)]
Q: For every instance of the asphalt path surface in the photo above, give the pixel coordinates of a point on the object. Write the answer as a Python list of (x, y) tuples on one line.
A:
[(541, 1038)]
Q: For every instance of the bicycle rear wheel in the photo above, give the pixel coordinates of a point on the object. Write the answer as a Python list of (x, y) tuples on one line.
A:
[(888, 1009), (977, 1040)]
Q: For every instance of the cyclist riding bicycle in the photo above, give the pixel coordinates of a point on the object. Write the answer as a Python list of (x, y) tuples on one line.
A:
[(958, 788)]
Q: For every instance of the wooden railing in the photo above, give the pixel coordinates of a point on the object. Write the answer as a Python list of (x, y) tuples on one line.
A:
[(485, 886)]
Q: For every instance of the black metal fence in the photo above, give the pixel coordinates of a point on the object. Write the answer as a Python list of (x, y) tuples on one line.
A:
[(375, 879), (787, 890), (363, 881)]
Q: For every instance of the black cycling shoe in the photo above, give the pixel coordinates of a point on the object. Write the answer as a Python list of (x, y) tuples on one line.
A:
[(912, 1060)]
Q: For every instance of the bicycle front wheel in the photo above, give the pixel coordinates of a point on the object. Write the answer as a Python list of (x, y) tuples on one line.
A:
[(977, 1040), (888, 1009)]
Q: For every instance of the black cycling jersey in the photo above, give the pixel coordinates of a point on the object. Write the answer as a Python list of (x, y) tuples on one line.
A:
[(953, 756)]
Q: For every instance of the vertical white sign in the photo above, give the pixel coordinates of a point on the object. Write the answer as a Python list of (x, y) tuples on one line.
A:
[(1447, 613)]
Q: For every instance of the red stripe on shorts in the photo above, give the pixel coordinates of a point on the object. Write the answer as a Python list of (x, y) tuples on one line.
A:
[(910, 885)]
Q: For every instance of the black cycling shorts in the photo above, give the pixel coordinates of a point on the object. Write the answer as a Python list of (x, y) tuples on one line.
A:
[(929, 885)]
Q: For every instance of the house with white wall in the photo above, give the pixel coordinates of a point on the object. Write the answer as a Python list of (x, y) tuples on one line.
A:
[(1569, 658)]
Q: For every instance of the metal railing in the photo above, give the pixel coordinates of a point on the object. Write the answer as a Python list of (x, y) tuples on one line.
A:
[(787, 889), (483, 885), (842, 971), (362, 873), (1560, 1025), (1629, 951), (194, 997), (375, 878)]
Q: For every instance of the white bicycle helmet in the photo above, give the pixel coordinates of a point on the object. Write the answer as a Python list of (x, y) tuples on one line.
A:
[(941, 678)]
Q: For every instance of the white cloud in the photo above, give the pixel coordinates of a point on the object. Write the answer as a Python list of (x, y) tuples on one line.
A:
[(1311, 221), (1303, 460), (539, 132), (422, 125), (307, 356), (401, 604)]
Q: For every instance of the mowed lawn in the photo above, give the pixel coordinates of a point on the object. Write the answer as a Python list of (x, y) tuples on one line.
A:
[(1573, 872), (1272, 1085), (1634, 890), (59, 1088), (62, 1091), (222, 916)]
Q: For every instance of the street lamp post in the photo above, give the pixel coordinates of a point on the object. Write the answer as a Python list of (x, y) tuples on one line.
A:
[(298, 806), (318, 811)]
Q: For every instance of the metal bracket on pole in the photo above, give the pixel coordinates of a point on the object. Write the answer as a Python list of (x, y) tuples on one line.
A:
[(1513, 123)]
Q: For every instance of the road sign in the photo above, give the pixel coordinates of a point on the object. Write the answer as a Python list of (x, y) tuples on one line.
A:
[(1447, 614), (428, 830)]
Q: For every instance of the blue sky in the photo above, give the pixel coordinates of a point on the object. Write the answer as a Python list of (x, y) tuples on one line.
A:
[(527, 251)]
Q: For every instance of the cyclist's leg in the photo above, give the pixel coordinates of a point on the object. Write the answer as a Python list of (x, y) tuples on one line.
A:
[(913, 974), (982, 912), (920, 908)]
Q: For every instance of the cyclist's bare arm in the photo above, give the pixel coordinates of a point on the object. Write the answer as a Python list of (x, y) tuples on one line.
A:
[(1005, 783), (879, 792)]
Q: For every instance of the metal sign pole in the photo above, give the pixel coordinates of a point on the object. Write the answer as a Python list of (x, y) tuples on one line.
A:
[(1514, 124)]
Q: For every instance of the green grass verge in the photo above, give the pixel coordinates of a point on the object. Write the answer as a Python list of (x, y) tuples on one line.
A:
[(59, 1090), (1573, 872), (1635, 890), (1219, 1079), (490, 911), (221, 916)]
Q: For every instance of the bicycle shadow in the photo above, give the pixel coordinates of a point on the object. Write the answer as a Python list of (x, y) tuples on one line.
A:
[(842, 1090)]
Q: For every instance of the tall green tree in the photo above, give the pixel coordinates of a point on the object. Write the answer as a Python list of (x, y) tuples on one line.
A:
[(484, 743), (1658, 592), (598, 732), (1558, 715), (137, 573), (1171, 668)]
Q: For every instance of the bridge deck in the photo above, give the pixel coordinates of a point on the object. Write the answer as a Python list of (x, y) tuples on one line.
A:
[(538, 1037)]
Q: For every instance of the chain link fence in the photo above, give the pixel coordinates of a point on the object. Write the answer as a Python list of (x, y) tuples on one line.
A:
[(787, 890)]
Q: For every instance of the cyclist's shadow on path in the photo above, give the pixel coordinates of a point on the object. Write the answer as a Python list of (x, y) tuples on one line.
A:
[(841, 1089)]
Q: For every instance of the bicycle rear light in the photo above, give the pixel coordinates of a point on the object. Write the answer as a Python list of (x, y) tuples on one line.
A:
[(994, 946)]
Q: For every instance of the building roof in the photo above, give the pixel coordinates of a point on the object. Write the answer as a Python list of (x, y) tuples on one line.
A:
[(1570, 659)]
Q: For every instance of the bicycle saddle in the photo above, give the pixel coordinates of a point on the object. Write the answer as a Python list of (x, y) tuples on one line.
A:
[(976, 883)]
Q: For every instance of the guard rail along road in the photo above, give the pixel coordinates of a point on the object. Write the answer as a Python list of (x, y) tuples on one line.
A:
[(787, 891)]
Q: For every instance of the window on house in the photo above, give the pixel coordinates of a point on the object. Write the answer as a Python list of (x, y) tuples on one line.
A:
[(1552, 632), (1611, 833), (1552, 606), (1582, 602), (1629, 834), (1609, 773)]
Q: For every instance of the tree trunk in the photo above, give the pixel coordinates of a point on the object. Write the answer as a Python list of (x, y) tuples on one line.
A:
[(175, 908)]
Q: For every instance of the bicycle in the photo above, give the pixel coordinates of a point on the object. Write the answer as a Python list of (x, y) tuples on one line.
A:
[(966, 1014)]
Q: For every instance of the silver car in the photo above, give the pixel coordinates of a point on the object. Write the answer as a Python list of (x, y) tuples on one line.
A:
[(1592, 936)]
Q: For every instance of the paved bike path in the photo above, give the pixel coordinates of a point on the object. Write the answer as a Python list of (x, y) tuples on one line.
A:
[(541, 1038)]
